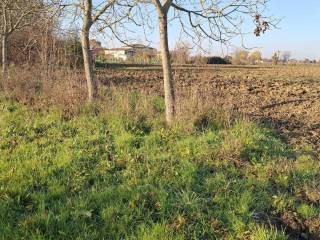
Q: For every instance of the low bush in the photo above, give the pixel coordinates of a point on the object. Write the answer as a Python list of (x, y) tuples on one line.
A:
[(217, 60)]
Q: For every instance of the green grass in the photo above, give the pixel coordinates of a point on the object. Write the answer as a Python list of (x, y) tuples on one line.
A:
[(128, 176)]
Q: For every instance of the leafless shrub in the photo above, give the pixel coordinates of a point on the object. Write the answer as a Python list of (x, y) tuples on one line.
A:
[(240, 57), (181, 53), (41, 89)]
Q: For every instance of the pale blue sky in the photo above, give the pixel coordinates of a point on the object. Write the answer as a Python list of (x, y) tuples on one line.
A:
[(298, 32)]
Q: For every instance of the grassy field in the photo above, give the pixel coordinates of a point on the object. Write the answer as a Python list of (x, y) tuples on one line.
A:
[(125, 175), (114, 170)]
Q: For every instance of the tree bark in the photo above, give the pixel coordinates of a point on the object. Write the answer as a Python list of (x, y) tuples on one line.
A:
[(4, 56), (87, 54), (168, 82), (88, 67)]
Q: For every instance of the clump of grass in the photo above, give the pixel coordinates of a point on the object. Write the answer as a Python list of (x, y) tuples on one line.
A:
[(121, 173), (158, 104), (213, 119)]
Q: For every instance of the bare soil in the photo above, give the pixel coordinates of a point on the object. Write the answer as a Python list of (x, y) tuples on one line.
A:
[(288, 97)]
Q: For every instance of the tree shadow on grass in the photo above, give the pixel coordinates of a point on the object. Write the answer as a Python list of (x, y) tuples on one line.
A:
[(237, 187), (292, 131)]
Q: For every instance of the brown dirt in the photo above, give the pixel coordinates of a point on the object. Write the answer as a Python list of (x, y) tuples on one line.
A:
[(287, 97)]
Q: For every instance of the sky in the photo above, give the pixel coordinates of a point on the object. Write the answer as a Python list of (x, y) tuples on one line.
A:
[(298, 32)]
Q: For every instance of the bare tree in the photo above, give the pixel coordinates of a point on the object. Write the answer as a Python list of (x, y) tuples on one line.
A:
[(169, 89), (181, 53), (215, 20), (285, 56), (15, 15), (275, 58), (255, 57), (90, 16), (107, 14), (240, 57)]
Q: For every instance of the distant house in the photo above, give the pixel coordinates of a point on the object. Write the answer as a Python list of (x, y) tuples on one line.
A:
[(96, 48), (136, 52), (133, 52), (123, 53)]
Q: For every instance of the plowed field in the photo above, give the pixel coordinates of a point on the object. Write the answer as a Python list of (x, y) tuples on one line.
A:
[(286, 96)]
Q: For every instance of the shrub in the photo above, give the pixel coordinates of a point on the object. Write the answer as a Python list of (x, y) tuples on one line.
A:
[(212, 119), (217, 60)]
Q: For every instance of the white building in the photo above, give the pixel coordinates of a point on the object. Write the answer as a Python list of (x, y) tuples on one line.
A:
[(124, 53), (130, 52)]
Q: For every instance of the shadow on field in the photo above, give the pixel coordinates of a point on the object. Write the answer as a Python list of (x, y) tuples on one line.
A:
[(231, 192), (284, 103), (293, 131)]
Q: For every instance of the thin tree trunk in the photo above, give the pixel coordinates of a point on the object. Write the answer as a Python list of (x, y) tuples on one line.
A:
[(87, 54), (169, 90), (88, 66), (4, 56)]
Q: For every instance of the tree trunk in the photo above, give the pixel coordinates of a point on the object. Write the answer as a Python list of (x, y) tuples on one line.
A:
[(4, 56), (169, 90), (88, 65)]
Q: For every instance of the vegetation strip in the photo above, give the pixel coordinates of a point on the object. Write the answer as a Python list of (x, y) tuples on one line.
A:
[(124, 175)]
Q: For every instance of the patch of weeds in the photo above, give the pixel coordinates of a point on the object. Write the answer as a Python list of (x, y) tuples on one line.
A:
[(123, 176), (306, 211), (12, 108), (90, 109), (158, 105), (264, 148), (133, 101), (213, 119), (138, 125), (265, 233)]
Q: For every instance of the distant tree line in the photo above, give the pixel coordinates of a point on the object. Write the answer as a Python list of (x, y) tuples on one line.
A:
[(182, 55)]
